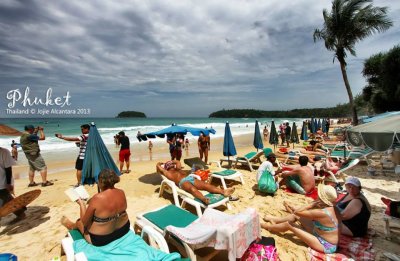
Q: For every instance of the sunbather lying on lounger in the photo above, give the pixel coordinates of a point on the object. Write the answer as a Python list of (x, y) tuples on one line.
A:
[(172, 170)]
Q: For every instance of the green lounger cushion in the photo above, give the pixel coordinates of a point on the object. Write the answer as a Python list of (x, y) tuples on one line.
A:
[(214, 198), (170, 215), (250, 155), (226, 172), (75, 234)]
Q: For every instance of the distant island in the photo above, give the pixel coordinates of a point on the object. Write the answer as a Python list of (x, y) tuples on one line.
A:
[(339, 111), (131, 114)]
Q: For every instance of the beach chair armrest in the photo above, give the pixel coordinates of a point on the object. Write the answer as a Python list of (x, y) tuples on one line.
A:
[(155, 238), (215, 162)]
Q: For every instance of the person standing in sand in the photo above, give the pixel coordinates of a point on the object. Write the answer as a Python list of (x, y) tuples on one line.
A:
[(172, 170), (124, 153), (81, 141), (300, 179), (204, 146), (6, 181), (30, 145), (266, 133)]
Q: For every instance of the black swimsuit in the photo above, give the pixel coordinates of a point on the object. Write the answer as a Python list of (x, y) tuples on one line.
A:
[(358, 225), (102, 240)]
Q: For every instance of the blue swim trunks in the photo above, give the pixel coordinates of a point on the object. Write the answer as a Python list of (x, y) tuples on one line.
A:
[(188, 179)]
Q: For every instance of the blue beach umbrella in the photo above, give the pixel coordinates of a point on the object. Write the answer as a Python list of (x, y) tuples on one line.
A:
[(323, 126), (312, 126), (229, 146), (304, 135), (257, 142), (273, 136), (294, 137), (319, 124), (97, 158), (175, 129)]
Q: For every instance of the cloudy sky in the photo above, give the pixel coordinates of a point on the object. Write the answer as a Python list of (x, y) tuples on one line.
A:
[(177, 58)]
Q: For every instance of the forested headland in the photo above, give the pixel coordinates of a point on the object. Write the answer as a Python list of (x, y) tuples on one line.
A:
[(131, 114)]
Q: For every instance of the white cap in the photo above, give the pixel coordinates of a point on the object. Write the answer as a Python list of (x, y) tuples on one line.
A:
[(354, 181)]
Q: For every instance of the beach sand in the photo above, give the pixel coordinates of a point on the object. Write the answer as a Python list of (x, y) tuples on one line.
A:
[(38, 237)]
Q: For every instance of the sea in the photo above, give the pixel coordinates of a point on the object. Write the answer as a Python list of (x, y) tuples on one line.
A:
[(109, 127)]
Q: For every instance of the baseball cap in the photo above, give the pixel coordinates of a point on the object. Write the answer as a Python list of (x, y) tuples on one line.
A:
[(29, 127), (354, 181)]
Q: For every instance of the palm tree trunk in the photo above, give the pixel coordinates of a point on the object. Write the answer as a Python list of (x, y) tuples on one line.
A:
[(350, 93)]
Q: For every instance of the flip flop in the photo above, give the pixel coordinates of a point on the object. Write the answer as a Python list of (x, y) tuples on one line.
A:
[(47, 183), (34, 184), (233, 198)]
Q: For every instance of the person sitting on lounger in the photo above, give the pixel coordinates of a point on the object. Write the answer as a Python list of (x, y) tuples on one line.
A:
[(320, 221), (103, 220), (172, 170), (301, 178)]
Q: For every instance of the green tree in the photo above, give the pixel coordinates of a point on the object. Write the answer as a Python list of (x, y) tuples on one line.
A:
[(349, 22), (382, 73)]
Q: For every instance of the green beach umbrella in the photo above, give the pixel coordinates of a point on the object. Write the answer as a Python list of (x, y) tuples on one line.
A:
[(257, 142), (294, 137), (273, 136)]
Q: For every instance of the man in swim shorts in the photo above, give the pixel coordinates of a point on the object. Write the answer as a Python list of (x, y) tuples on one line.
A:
[(172, 170), (300, 179)]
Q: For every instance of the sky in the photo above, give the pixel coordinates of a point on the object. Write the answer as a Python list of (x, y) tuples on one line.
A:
[(173, 58)]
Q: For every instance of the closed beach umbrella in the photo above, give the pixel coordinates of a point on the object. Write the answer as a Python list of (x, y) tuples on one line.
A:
[(294, 137), (257, 142), (319, 124), (273, 136), (97, 158), (323, 126), (229, 146), (304, 135)]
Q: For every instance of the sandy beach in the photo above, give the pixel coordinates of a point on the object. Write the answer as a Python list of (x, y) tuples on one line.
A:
[(38, 237)]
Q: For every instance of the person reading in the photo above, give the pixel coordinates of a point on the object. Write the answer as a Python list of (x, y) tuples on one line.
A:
[(172, 170), (300, 179), (103, 220)]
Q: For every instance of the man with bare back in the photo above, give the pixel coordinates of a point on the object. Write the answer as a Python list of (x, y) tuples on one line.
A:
[(301, 178), (172, 170)]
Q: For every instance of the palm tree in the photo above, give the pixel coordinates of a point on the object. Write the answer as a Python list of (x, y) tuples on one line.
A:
[(349, 22)]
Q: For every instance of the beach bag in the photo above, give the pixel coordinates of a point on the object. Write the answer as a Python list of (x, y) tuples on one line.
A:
[(259, 252), (203, 174), (267, 183)]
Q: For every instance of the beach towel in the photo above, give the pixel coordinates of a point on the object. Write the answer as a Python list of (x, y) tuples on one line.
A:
[(313, 194), (350, 248), (128, 247), (221, 231)]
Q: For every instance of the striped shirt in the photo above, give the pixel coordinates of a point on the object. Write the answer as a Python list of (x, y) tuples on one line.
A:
[(82, 146)]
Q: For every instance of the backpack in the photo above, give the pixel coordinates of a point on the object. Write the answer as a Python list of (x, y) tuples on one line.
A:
[(267, 183)]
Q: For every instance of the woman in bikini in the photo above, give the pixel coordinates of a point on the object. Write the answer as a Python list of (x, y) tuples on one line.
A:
[(320, 222), (102, 220), (204, 146)]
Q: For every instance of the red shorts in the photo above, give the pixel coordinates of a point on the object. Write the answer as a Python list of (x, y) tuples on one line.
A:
[(124, 155)]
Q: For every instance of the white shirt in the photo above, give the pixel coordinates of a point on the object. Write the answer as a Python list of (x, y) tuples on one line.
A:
[(266, 165), (6, 161)]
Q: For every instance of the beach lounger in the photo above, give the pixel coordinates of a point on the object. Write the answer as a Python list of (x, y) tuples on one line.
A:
[(340, 173), (214, 229), (387, 229), (249, 159), (169, 186), (216, 172), (354, 153), (156, 240)]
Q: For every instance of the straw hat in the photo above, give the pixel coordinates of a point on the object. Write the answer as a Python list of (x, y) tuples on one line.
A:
[(19, 202), (327, 194)]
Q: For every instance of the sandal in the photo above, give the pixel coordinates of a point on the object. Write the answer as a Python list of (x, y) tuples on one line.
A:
[(47, 183), (34, 184), (233, 198)]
